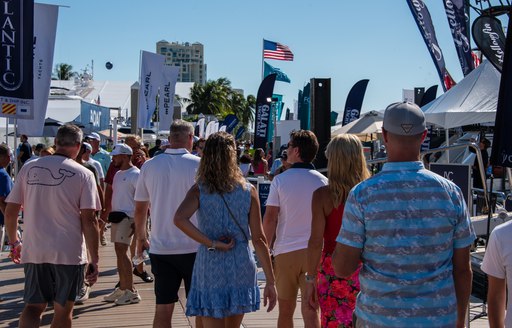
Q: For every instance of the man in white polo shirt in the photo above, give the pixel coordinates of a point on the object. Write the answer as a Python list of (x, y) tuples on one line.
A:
[(288, 218), (163, 182)]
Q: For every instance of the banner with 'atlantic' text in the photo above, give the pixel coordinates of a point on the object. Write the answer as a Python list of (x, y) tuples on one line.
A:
[(16, 59)]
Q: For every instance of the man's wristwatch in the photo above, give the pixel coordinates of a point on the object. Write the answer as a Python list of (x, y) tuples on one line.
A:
[(212, 248)]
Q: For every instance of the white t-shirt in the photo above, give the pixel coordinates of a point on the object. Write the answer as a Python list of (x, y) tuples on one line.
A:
[(498, 261), (53, 190), (123, 190), (97, 166), (164, 181), (292, 191)]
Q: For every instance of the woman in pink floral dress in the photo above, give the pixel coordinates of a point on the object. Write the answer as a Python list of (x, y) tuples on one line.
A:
[(335, 296)]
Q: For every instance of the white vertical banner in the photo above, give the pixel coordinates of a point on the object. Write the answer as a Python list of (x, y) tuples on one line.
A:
[(150, 79), (408, 95), (223, 128), (45, 28), (167, 91), (210, 129), (200, 127)]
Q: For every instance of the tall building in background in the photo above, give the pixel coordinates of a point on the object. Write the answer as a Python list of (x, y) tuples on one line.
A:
[(188, 57)]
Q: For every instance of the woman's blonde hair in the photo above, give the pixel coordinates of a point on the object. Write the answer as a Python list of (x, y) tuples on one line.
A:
[(346, 166), (218, 170)]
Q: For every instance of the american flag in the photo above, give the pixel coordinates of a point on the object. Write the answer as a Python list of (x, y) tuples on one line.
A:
[(277, 51)]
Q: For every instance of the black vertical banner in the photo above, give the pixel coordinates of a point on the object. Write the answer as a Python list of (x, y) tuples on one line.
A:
[(490, 39), (502, 141), (354, 102), (263, 113), (429, 95), (419, 92), (458, 18), (16, 58), (424, 21)]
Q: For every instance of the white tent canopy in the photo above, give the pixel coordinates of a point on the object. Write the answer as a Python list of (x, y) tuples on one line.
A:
[(472, 101), (370, 122)]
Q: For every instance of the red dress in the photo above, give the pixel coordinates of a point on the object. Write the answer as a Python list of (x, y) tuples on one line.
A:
[(336, 296), (259, 169)]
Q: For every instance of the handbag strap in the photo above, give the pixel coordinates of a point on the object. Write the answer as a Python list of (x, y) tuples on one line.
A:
[(233, 217)]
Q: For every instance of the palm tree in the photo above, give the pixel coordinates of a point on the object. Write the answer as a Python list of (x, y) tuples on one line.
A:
[(211, 98), (64, 71)]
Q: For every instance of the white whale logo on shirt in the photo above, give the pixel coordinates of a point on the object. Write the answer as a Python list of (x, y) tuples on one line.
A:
[(42, 176)]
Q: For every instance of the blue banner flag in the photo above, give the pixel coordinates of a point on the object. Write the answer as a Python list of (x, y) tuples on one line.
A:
[(240, 133), (354, 102), (230, 121), (304, 109), (458, 17), (94, 117), (424, 21), (280, 76), (262, 115), (501, 154)]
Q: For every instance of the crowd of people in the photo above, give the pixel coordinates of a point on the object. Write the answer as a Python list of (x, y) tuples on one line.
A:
[(389, 250)]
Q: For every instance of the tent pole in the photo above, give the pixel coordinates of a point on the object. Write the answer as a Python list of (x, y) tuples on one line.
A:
[(447, 144), (509, 176)]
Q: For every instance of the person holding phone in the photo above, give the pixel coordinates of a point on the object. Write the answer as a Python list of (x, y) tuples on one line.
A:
[(224, 282)]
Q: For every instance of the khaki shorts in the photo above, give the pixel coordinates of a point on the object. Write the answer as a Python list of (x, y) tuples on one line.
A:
[(122, 232), (290, 274)]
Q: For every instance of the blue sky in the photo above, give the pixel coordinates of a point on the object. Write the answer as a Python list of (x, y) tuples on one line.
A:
[(342, 40)]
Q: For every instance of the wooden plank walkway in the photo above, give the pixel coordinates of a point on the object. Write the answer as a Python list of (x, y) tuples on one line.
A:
[(97, 313)]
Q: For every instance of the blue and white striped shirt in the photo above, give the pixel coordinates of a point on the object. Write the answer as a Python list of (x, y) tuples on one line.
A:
[(407, 221)]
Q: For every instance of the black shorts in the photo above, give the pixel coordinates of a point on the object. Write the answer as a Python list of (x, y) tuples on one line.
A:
[(52, 282), (169, 271)]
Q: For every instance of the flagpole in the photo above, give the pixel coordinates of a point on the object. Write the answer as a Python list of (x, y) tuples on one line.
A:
[(16, 164), (262, 60)]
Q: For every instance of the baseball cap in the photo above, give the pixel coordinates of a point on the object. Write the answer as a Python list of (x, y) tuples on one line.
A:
[(121, 149), (404, 118), (87, 146), (93, 135)]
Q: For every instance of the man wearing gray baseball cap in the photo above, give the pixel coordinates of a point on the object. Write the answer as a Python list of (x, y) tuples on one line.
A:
[(411, 230)]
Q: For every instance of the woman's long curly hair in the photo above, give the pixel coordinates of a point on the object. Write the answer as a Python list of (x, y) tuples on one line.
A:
[(346, 166), (218, 170)]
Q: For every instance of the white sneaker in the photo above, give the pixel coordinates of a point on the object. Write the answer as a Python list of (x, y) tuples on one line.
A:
[(112, 297), (129, 297), (83, 294)]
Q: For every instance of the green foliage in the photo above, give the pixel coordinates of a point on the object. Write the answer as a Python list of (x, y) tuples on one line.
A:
[(64, 71), (218, 98)]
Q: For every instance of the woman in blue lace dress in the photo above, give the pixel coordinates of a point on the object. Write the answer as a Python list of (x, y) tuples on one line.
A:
[(224, 282)]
